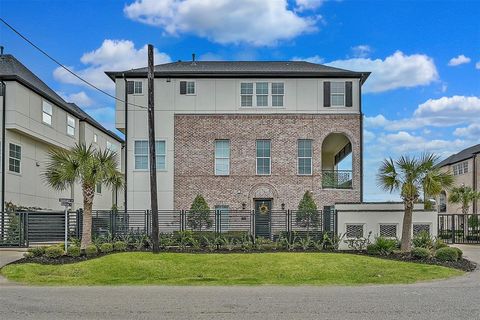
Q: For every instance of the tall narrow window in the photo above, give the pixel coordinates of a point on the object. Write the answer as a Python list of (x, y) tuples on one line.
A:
[(138, 87), (95, 138), (99, 188), (304, 157), (337, 94), (47, 113), (190, 87), (160, 154), (246, 94), (222, 157), (15, 158), (261, 89), (277, 94), (141, 155), (70, 126), (263, 157)]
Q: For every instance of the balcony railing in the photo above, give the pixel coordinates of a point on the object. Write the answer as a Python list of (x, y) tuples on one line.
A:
[(337, 179)]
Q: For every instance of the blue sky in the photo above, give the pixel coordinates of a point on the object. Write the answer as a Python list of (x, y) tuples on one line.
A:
[(423, 95)]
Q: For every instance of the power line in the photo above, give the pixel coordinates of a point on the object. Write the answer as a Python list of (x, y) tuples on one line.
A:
[(65, 68)]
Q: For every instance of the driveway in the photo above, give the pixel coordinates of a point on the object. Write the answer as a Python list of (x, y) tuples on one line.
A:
[(456, 298)]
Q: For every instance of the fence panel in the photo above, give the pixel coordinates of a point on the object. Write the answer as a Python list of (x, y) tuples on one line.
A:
[(459, 228), (234, 221), (12, 229)]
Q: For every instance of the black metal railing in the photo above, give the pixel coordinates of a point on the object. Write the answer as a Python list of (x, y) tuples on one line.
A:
[(25, 228), (459, 228), (337, 179)]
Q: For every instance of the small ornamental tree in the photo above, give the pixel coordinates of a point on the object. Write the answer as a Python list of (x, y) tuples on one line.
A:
[(307, 214), (199, 214)]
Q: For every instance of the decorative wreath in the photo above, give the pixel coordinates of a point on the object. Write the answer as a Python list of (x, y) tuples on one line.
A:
[(263, 208)]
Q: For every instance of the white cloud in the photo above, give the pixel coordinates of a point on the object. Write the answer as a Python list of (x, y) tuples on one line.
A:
[(368, 135), (80, 98), (472, 131), (395, 71), (458, 60), (308, 4), (255, 22), (477, 65), (312, 59), (210, 56), (361, 51), (112, 55)]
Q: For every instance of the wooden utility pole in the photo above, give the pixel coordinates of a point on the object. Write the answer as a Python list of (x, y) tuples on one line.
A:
[(151, 143)]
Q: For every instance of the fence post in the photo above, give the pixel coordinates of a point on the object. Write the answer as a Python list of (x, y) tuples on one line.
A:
[(253, 225), (454, 232), (25, 231)]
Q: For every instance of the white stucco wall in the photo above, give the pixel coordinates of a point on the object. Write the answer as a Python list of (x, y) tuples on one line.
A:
[(372, 215)]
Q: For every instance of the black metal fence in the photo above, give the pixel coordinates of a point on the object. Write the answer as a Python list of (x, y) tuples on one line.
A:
[(25, 228), (459, 228)]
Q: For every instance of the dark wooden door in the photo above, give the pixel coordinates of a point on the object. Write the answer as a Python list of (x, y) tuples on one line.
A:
[(263, 208)]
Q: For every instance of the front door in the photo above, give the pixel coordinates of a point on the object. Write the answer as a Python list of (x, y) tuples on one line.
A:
[(263, 209)]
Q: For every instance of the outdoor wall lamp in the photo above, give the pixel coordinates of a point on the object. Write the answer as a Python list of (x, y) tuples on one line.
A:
[(283, 206), (244, 206)]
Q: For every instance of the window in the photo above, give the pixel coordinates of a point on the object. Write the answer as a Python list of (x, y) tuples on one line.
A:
[(246, 94), (261, 89), (337, 94), (388, 230), (224, 216), (138, 87), (99, 188), (187, 87), (354, 231), (263, 157), (460, 168), (15, 157), (277, 94), (47, 113), (141, 154), (95, 138), (304, 157), (419, 227), (70, 126), (222, 157)]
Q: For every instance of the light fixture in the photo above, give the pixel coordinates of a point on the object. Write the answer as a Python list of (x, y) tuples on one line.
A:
[(244, 206), (283, 206)]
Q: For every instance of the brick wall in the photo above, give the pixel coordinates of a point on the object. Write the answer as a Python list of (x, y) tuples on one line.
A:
[(194, 158)]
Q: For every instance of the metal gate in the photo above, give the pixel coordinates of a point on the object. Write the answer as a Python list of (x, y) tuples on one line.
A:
[(459, 228)]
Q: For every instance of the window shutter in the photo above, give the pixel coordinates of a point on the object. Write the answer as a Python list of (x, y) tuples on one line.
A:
[(326, 94), (348, 94), (129, 87), (183, 87)]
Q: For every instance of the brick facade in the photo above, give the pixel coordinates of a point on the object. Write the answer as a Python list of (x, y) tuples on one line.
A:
[(194, 158)]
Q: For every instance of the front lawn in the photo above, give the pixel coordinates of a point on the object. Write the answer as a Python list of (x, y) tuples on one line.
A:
[(141, 268)]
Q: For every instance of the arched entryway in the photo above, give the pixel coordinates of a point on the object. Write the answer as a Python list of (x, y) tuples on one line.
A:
[(337, 162)]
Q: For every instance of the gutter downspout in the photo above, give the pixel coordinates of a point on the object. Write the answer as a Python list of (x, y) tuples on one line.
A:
[(361, 139), (4, 107), (475, 181), (125, 190)]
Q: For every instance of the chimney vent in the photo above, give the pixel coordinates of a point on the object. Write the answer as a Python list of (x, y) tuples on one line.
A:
[(1, 50)]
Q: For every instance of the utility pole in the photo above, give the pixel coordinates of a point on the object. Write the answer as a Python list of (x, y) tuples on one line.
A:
[(151, 143)]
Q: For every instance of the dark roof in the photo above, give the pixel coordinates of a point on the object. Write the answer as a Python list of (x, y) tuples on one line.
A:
[(242, 69), (12, 69), (462, 155)]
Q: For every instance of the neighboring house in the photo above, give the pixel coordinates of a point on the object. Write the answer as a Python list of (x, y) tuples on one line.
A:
[(244, 134), (465, 167), (37, 119)]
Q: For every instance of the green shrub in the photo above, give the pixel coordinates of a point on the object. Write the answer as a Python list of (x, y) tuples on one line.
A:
[(106, 247), (423, 240), (420, 253), (119, 246), (54, 252), (460, 252), (385, 246), (91, 250), (307, 214), (439, 243), (36, 251), (447, 254), (198, 216), (73, 251)]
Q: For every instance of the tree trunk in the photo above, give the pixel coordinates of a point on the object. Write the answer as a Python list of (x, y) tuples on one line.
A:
[(406, 244), (88, 193)]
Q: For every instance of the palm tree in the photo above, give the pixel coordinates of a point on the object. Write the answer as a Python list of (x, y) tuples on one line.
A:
[(412, 176), (88, 167), (463, 195)]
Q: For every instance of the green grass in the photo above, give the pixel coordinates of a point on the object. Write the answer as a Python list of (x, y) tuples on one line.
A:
[(139, 268)]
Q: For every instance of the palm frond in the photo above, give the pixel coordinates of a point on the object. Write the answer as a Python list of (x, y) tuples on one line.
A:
[(387, 176)]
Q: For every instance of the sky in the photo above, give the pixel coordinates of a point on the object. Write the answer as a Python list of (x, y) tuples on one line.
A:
[(423, 94)]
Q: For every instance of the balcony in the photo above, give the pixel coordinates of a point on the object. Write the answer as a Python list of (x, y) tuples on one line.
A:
[(337, 179)]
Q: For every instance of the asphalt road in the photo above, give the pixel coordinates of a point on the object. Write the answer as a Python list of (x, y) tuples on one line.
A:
[(457, 298)]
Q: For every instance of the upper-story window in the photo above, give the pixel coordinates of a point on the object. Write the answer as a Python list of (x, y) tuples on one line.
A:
[(47, 112), (134, 87), (15, 158), (264, 164), (187, 87), (460, 168), (141, 154), (337, 94), (266, 94), (304, 157), (70, 126), (222, 157), (95, 138)]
